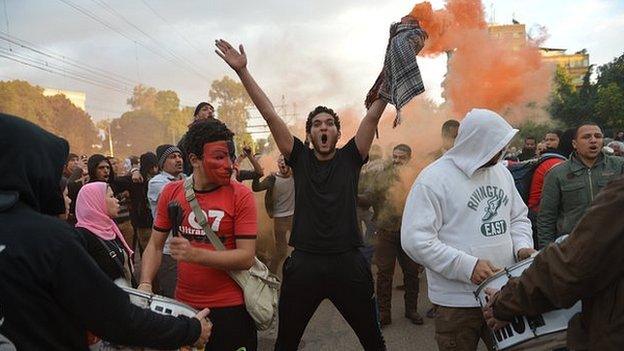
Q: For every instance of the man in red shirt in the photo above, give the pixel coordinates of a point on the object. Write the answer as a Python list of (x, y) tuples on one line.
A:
[(551, 140), (203, 280)]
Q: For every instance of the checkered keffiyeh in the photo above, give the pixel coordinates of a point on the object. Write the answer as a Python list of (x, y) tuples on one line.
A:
[(400, 80)]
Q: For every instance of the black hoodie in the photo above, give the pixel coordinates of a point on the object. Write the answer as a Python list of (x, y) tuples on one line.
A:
[(51, 291)]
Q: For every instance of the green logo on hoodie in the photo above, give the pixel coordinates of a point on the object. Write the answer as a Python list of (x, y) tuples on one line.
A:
[(494, 197)]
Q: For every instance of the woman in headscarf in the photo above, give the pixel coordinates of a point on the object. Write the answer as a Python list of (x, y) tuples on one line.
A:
[(96, 207)]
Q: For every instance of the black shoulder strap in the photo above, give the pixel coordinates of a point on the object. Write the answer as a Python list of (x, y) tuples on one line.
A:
[(113, 255)]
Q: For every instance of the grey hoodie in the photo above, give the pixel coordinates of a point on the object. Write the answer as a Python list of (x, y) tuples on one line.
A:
[(458, 211)]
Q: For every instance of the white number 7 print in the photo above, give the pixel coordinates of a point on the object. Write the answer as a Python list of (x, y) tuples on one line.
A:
[(218, 216)]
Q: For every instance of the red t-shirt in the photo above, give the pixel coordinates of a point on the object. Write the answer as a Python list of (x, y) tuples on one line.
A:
[(537, 182), (231, 211)]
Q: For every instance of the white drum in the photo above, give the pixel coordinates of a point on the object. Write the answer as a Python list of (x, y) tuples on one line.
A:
[(543, 332), (156, 303)]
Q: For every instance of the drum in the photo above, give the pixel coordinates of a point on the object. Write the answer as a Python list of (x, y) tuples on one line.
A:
[(543, 332), (156, 303)]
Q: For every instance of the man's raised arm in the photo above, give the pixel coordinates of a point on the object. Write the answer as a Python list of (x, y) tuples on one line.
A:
[(238, 61), (366, 131)]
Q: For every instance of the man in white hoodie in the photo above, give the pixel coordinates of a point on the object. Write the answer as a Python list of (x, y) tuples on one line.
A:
[(464, 220)]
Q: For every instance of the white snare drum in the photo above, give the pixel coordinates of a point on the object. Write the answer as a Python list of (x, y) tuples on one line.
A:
[(156, 303), (543, 332)]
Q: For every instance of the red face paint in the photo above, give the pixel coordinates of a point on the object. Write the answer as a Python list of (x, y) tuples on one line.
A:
[(217, 163)]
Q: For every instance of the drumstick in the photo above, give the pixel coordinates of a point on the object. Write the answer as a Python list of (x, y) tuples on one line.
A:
[(174, 211)]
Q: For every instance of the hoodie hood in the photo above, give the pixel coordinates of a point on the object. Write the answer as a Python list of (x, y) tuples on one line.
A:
[(482, 134), (31, 165)]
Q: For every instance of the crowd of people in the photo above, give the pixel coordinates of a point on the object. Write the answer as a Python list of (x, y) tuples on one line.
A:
[(477, 208)]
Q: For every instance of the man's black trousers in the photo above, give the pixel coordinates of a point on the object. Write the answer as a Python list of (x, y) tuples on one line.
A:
[(345, 279)]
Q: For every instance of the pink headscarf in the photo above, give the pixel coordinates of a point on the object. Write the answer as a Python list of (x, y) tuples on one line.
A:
[(92, 214)]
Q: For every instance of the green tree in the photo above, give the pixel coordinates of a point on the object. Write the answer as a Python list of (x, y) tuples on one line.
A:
[(54, 113), (612, 72), (73, 124), (233, 101), (602, 102), (143, 97), (19, 98), (609, 109), (136, 132)]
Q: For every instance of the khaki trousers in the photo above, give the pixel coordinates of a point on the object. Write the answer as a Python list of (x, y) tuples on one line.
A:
[(387, 251), (459, 329), (282, 227)]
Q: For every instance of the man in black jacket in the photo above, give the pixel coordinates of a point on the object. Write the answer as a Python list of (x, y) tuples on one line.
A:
[(51, 291)]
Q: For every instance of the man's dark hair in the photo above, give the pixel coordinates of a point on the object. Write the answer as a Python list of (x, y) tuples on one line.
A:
[(93, 163), (448, 126), (318, 110), (530, 137), (565, 142), (583, 124), (405, 148), (203, 132), (200, 106)]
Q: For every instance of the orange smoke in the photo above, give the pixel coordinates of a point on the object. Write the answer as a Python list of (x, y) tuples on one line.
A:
[(483, 71)]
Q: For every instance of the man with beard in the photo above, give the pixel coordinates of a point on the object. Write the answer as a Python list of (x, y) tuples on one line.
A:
[(388, 207), (464, 220), (52, 292), (570, 187), (170, 161), (528, 150), (326, 262)]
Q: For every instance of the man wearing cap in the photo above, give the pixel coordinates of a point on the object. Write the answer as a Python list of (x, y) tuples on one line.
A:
[(171, 165)]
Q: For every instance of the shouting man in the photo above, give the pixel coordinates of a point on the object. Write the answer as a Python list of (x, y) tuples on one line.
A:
[(326, 262)]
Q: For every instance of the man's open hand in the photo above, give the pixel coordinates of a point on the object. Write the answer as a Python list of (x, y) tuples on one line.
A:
[(236, 60)]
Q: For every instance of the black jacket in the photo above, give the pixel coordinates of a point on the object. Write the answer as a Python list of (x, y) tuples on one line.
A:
[(51, 291)]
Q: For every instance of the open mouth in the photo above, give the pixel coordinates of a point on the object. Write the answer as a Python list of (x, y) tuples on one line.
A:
[(323, 138)]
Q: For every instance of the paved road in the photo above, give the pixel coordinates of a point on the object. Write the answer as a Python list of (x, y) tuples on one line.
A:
[(329, 331)]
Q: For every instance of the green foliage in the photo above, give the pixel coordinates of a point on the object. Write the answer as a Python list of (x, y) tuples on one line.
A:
[(162, 108), (54, 113), (136, 132), (233, 101), (534, 129), (602, 102), (609, 107)]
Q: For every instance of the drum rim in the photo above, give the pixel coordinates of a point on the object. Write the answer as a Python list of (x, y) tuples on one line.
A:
[(504, 271)]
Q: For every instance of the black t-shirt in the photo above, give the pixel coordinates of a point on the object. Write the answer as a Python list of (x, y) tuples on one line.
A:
[(325, 219)]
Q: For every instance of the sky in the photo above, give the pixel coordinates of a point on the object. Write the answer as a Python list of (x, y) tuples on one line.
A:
[(311, 52)]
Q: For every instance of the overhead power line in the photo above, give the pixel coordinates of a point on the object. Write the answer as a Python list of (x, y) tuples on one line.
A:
[(173, 59), (162, 18)]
